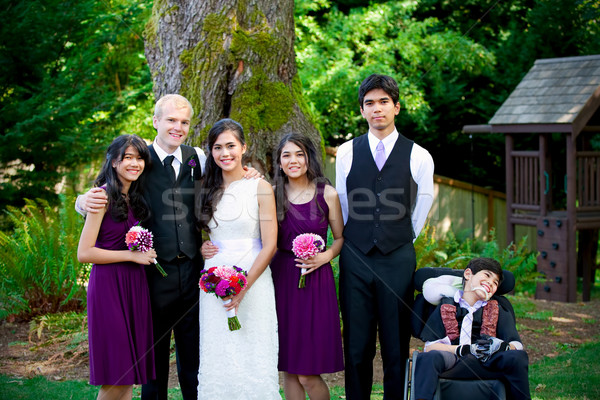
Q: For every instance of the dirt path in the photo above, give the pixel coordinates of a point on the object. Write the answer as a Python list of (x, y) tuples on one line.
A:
[(570, 325)]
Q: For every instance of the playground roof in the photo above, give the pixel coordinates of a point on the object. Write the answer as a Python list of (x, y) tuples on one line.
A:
[(556, 95)]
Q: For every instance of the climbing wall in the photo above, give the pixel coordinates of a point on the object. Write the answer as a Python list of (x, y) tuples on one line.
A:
[(553, 260)]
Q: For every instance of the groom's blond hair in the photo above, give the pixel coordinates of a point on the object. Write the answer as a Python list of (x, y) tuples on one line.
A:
[(177, 100)]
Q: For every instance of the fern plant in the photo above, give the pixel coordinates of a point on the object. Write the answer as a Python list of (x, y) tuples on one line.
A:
[(39, 270), (455, 251)]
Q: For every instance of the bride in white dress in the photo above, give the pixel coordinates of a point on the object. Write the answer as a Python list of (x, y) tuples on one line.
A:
[(241, 219)]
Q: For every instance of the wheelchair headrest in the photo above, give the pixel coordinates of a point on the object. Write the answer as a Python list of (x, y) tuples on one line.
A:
[(421, 275)]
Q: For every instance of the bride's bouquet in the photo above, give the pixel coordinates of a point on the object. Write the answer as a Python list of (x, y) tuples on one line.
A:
[(305, 246), (224, 281), (140, 239)]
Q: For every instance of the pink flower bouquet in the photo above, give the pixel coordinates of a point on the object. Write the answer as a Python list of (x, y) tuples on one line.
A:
[(305, 246), (224, 281), (140, 239)]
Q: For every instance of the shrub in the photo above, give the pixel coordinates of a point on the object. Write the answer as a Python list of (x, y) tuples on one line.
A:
[(39, 270), (455, 251)]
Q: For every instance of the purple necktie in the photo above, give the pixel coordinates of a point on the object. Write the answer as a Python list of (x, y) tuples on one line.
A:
[(380, 155)]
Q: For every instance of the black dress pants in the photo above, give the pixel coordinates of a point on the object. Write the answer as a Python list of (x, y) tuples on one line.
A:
[(376, 291), (175, 310), (509, 366)]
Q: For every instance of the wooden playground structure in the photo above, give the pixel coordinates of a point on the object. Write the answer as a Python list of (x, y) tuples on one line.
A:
[(553, 183)]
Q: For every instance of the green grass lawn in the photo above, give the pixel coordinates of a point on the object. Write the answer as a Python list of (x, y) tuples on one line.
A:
[(40, 388), (574, 375)]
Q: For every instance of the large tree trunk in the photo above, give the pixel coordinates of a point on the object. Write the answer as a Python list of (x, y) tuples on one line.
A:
[(231, 58)]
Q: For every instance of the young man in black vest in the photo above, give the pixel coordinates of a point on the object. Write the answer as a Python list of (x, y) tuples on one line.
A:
[(385, 184)]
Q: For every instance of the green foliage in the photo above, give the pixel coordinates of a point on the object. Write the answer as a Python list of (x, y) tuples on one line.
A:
[(39, 270), (455, 251), (67, 330), (336, 51), (455, 62), (58, 325), (572, 24), (335, 263), (517, 33), (72, 76)]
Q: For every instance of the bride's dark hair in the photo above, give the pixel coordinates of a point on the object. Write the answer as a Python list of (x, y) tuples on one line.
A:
[(109, 178), (212, 183)]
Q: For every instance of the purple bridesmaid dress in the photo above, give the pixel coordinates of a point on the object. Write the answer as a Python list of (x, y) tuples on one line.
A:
[(310, 341), (119, 314)]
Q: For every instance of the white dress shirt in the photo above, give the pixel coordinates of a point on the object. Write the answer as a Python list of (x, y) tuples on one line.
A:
[(421, 169), (178, 157)]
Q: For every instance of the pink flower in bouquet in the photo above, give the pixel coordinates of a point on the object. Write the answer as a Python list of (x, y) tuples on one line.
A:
[(224, 281), (225, 272), (140, 239), (221, 289), (305, 246)]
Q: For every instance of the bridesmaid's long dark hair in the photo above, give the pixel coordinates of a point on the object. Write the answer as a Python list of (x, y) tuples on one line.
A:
[(212, 183), (314, 173), (117, 203)]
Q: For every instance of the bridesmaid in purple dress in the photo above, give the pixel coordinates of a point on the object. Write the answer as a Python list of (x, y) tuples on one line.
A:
[(119, 314), (310, 341)]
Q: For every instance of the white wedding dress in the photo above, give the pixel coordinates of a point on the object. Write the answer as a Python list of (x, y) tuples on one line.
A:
[(239, 364)]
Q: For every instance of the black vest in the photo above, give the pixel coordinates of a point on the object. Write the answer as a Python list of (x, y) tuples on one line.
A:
[(379, 202), (172, 206)]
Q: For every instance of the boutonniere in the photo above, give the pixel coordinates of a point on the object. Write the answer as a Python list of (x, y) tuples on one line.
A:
[(192, 164)]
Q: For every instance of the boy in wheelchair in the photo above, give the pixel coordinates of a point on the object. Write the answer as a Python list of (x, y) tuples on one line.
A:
[(471, 336)]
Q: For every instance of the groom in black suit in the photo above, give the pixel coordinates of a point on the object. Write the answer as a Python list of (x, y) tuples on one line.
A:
[(378, 177), (170, 193)]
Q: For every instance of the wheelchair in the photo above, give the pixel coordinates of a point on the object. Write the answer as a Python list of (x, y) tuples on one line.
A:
[(451, 387)]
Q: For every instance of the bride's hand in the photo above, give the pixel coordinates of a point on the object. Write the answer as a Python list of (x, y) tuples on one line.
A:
[(235, 301)]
